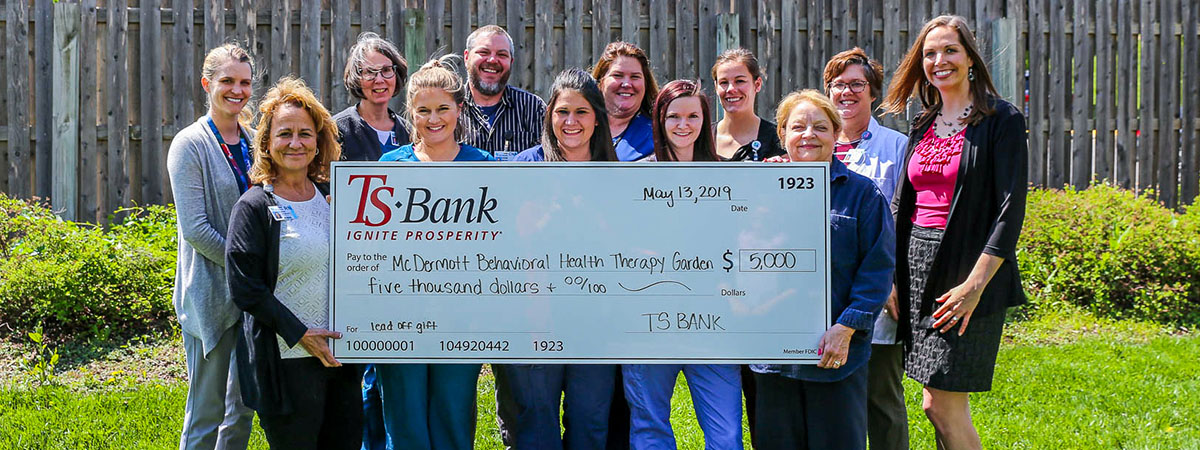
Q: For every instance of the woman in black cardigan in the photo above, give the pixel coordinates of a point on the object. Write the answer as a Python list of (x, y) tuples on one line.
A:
[(277, 263), (959, 212)]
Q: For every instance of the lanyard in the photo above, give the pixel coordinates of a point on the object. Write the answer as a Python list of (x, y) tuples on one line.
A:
[(238, 172)]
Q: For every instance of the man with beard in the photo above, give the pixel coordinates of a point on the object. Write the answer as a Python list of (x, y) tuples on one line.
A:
[(498, 118)]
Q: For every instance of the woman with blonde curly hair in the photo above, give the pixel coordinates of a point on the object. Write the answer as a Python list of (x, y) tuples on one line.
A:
[(277, 261)]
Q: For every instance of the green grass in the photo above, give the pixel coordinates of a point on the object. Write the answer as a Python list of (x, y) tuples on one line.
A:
[(1063, 381)]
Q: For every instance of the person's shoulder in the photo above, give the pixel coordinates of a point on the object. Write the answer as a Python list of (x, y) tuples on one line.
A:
[(345, 114), (469, 153), (1003, 109), (404, 153), (198, 130), (534, 153)]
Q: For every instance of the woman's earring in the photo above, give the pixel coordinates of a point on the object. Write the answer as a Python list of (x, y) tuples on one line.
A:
[(318, 151), (971, 74)]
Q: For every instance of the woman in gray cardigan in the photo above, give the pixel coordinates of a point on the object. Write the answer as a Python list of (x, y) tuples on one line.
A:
[(208, 163)]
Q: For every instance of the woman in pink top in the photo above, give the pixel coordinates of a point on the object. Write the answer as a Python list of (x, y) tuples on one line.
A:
[(959, 211)]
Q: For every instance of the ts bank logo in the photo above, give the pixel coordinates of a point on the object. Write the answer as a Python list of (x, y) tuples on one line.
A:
[(418, 207)]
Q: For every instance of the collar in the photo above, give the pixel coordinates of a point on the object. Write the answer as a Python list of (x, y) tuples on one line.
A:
[(856, 155), (838, 171)]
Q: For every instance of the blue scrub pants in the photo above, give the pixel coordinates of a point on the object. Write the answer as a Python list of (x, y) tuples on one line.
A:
[(585, 391), (428, 406), (716, 394), (374, 437)]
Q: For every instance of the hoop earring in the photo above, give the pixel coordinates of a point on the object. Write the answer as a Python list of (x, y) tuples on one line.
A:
[(971, 74), (318, 151)]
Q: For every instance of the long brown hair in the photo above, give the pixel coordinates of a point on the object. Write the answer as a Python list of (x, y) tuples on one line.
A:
[(910, 80), (703, 149), (618, 49), (600, 147)]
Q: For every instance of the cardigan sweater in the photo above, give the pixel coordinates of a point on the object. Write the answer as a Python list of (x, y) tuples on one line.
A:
[(986, 214), (252, 265), (204, 191), (359, 140)]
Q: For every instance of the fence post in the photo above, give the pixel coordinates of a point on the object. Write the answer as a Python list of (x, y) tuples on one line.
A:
[(65, 111), (414, 37), (727, 38), (1004, 70)]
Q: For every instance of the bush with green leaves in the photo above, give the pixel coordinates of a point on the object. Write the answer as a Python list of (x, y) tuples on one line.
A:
[(79, 281), (1114, 253)]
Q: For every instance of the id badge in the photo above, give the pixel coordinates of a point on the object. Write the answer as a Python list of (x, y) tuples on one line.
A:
[(282, 213), (505, 155)]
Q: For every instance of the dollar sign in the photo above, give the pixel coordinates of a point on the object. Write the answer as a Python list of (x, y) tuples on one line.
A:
[(728, 262)]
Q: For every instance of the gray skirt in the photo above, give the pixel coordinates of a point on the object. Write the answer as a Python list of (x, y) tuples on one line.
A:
[(946, 361)]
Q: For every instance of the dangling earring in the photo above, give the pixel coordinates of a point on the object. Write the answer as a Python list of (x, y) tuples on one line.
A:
[(318, 151), (971, 74)]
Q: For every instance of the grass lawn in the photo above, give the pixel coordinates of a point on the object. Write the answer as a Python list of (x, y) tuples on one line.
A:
[(1063, 381)]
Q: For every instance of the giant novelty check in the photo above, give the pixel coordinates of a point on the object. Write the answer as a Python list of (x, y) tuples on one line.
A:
[(580, 262)]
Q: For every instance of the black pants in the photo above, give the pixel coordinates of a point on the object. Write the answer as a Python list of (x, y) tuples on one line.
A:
[(887, 418), (797, 415), (327, 407)]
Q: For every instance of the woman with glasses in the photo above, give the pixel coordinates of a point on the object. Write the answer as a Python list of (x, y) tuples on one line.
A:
[(368, 129), (374, 73), (855, 81)]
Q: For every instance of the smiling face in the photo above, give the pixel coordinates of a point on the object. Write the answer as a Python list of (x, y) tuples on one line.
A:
[(435, 115), (573, 122), (851, 105), (810, 134), (293, 143), (945, 59), (229, 89), (736, 87), (623, 86), (683, 122), (489, 63), (379, 90)]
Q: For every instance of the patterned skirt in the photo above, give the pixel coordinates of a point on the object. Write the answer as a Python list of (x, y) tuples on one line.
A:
[(946, 361)]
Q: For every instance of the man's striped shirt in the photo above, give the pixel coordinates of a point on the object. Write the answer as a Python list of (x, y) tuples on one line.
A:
[(518, 124)]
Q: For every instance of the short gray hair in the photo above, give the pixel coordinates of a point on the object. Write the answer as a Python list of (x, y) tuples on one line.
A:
[(371, 42), (490, 30)]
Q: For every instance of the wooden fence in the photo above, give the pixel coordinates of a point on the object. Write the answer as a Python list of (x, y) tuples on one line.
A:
[(96, 89)]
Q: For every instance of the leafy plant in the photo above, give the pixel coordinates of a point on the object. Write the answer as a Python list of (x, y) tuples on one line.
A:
[(41, 365)]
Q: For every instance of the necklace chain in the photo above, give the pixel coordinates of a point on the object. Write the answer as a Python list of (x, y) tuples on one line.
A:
[(947, 128)]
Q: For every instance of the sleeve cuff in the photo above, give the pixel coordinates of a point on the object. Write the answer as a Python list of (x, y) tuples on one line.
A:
[(858, 320)]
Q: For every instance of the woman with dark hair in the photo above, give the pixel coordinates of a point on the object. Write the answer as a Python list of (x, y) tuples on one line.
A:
[(824, 406), (742, 135), (576, 129), (432, 406), (683, 132), (959, 212), (277, 261), (208, 163), (624, 75), (854, 82)]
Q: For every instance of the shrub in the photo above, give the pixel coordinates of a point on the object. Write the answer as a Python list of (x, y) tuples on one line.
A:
[(1114, 253), (79, 281)]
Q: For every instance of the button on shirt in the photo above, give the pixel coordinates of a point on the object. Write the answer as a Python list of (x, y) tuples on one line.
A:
[(863, 251), (517, 124)]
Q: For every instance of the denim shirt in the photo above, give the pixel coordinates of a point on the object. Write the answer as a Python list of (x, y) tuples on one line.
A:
[(863, 257), (880, 157)]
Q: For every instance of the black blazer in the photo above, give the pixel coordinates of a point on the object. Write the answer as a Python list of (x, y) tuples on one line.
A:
[(252, 269), (986, 213)]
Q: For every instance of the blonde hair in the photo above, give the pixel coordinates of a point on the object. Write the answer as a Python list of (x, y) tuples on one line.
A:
[(810, 96), (292, 91), (221, 55), (438, 73)]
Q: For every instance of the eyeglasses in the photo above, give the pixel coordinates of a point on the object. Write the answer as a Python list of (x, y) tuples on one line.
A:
[(855, 87), (387, 72)]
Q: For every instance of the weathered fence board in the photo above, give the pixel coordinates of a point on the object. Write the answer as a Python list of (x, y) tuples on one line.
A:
[(1111, 86)]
